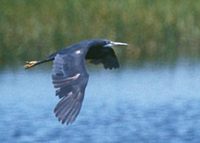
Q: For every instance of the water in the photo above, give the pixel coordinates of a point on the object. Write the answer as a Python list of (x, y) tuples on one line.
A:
[(146, 104)]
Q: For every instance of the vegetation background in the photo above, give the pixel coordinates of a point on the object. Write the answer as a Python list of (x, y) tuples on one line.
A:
[(156, 30)]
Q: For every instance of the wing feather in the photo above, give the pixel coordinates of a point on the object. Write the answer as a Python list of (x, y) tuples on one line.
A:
[(104, 55), (70, 82)]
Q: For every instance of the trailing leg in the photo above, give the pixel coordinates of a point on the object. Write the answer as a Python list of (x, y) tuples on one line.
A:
[(30, 64)]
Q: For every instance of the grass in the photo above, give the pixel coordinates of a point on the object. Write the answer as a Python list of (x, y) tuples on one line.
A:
[(155, 30)]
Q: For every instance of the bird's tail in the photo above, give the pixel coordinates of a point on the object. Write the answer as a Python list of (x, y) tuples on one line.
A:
[(30, 64)]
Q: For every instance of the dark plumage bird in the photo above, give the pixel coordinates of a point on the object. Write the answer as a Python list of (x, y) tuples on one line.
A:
[(70, 76)]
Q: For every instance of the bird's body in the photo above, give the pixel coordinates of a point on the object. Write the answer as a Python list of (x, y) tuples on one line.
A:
[(69, 74)]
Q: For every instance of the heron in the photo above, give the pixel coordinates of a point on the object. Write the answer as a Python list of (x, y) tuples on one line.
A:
[(69, 74)]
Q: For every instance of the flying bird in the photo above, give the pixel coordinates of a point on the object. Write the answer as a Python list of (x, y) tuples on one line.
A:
[(69, 74)]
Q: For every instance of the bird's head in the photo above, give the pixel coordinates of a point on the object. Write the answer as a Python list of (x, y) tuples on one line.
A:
[(108, 43), (105, 43)]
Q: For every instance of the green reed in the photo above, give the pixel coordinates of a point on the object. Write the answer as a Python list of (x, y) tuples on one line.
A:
[(155, 30)]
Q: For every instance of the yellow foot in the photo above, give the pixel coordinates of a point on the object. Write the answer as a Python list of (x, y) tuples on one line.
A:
[(30, 64)]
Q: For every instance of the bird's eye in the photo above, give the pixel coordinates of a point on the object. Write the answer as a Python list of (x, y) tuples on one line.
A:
[(107, 42)]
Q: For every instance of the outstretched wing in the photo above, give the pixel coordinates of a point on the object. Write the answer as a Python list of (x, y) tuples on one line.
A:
[(104, 55), (70, 81)]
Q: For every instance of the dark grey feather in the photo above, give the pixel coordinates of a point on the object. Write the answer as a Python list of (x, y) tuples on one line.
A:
[(70, 81)]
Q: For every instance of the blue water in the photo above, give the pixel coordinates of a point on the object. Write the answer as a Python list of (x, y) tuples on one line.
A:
[(143, 105)]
